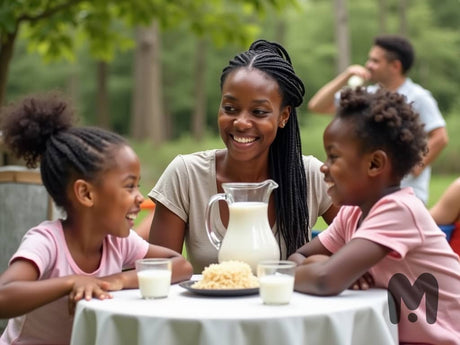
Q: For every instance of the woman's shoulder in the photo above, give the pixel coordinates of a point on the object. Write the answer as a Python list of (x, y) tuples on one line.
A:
[(190, 167), (196, 161), (198, 156)]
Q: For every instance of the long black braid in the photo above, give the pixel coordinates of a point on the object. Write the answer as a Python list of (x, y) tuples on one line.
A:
[(40, 129), (285, 158)]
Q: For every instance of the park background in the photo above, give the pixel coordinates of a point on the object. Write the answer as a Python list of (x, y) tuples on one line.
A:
[(150, 69)]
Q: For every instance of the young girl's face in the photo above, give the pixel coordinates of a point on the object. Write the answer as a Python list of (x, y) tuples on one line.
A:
[(346, 168), (249, 113), (117, 195)]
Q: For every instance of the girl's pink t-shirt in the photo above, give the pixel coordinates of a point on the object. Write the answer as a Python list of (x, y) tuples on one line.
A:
[(46, 247), (401, 222)]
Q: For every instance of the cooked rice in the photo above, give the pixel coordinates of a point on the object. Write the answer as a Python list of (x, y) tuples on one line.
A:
[(227, 275)]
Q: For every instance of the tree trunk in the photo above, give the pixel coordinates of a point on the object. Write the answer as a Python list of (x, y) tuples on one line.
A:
[(403, 17), (382, 16), (199, 112), (6, 53), (341, 34), (148, 117), (103, 117)]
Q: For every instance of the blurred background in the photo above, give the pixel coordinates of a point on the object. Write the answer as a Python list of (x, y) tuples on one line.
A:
[(150, 69)]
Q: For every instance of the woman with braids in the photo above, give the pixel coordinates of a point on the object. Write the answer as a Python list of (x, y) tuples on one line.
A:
[(93, 175), (384, 230), (258, 124)]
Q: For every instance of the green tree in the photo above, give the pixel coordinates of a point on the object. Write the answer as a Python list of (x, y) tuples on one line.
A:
[(55, 27)]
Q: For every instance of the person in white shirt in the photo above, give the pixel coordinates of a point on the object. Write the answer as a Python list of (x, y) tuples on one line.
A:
[(390, 59)]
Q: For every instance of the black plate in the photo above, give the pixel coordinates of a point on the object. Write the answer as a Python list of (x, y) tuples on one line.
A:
[(218, 292)]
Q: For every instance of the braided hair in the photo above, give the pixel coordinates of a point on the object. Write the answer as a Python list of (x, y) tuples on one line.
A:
[(40, 129), (384, 120), (285, 157)]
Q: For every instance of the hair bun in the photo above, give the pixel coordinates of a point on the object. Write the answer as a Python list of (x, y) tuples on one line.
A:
[(30, 123), (273, 47)]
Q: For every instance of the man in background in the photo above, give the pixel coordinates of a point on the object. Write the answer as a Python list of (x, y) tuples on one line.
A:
[(390, 58)]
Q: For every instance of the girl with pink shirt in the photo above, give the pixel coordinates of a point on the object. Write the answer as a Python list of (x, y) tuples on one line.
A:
[(93, 175), (383, 235)]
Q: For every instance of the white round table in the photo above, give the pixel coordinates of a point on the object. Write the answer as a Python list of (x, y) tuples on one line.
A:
[(353, 317)]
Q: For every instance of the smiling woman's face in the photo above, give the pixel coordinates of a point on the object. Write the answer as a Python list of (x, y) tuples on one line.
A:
[(250, 113)]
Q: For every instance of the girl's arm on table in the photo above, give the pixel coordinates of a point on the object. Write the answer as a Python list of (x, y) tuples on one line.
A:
[(21, 292), (340, 270)]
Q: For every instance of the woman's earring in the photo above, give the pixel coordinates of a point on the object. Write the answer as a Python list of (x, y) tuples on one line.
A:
[(283, 124)]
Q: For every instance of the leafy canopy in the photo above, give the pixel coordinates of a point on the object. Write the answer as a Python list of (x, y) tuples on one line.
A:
[(56, 27)]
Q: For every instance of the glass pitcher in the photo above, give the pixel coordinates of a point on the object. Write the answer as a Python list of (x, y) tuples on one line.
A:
[(249, 237)]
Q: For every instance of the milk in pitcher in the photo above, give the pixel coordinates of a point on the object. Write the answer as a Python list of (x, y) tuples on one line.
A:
[(249, 237)]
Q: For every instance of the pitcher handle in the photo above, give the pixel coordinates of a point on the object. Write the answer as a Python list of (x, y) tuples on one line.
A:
[(214, 238)]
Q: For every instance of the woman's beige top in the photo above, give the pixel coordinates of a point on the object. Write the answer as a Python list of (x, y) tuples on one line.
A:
[(190, 180)]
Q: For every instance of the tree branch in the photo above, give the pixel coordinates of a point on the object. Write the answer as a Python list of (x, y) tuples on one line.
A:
[(49, 11)]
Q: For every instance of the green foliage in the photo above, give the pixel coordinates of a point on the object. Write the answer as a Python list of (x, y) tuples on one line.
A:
[(309, 38), (56, 27)]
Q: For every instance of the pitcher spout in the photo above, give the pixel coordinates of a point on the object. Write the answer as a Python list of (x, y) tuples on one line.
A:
[(269, 185)]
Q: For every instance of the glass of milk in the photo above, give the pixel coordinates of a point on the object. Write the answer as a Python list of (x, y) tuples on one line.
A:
[(276, 281), (154, 277)]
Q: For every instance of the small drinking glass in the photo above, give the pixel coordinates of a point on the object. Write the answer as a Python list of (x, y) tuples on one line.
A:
[(276, 281), (154, 277)]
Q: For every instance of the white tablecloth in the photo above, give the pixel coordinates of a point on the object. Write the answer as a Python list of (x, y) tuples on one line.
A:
[(352, 318)]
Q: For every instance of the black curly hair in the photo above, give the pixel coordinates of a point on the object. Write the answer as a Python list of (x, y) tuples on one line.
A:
[(285, 157), (40, 129), (384, 120)]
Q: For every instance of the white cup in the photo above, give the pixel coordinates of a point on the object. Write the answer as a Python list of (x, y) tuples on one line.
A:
[(354, 81), (154, 277), (276, 281)]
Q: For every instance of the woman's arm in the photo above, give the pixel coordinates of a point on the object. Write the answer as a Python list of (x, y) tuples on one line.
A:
[(330, 214), (167, 229), (341, 270), (143, 229)]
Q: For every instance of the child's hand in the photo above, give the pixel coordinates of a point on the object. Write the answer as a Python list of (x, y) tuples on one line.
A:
[(363, 283), (87, 288), (315, 258)]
